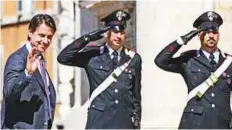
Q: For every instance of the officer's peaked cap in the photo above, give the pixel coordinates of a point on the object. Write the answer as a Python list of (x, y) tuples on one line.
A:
[(208, 19), (118, 17)]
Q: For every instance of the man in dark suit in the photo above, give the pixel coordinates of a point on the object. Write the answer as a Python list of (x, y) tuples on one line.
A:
[(119, 105), (29, 95), (211, 109)]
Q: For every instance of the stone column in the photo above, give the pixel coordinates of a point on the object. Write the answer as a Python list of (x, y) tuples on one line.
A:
[(65, 73), (1, 72)]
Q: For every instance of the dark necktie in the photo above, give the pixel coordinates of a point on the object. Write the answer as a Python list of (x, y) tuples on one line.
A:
[(212, 60), (115, 59), (43, 74)]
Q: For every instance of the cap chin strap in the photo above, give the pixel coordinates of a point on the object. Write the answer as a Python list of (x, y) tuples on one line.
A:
[(209, 26), (118, 28)]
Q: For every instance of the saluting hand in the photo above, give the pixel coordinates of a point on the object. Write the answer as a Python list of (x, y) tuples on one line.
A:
[(97, 34), (187, 37), (32, 61)]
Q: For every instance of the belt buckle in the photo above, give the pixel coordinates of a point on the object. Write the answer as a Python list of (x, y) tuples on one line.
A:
[(114, 76), (213, 78), (199, 94)]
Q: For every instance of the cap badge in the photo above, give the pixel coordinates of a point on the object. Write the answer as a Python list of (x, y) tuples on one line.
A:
[(119, 15), (211, 16)]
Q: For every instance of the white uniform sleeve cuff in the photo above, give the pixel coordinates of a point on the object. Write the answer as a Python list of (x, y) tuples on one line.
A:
[(27, 74), (180, 41)]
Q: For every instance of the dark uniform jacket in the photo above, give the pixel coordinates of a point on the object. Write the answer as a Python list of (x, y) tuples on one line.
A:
[(213, 110), (25, 104), (115, 106)]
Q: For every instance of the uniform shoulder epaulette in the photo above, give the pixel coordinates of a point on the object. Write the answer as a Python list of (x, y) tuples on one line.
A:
[(228, 54), (92, 45), (130, 52), (191, 53), (130, 49)]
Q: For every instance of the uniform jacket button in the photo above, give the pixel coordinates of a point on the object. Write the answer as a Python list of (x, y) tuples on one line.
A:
[(212, 94), (213, 105), (116, 90), (116, 101)]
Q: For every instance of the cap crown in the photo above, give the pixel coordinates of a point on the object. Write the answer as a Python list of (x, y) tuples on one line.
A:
[(208, 19), (117, 17)]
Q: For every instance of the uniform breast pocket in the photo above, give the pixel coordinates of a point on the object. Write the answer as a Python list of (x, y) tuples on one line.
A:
[(193, 115), (127, 76), (101, 71), (198, 75)]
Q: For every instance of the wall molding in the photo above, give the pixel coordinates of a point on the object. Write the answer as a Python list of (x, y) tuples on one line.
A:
[(22, 18)]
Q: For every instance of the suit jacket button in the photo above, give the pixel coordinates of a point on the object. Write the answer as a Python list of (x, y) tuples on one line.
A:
[(45, 123), (20, 82)]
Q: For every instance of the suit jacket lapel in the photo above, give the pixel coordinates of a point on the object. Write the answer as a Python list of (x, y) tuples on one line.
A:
[(25, 52), (37, 75), (40, 80)]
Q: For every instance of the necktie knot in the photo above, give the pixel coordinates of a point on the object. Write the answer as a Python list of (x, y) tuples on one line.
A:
[(115, 53), (211, 56), (212, 59), (115, 59)]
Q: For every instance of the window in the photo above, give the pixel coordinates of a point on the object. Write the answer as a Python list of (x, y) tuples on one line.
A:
[(20, 5), (25, 7), (1, 71)]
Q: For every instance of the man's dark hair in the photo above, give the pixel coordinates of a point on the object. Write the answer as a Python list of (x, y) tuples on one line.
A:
[(39, 19)]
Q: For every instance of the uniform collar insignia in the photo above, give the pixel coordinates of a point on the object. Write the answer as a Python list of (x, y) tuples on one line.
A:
[(198, 53), (102, 49)]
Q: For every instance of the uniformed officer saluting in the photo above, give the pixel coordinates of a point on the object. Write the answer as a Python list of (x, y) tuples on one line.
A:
[(207, 73), (119, 105)]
